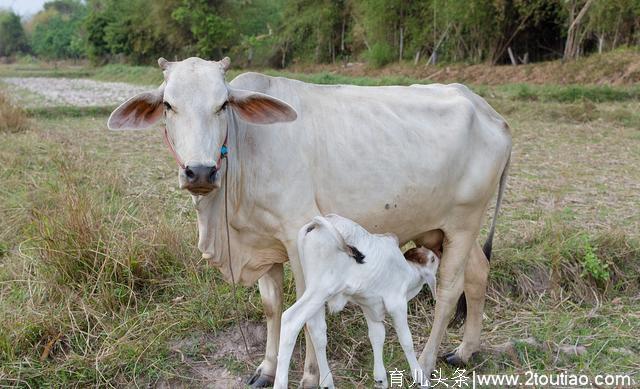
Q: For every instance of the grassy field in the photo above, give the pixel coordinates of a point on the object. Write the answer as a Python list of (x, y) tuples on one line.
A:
[(101, 283)]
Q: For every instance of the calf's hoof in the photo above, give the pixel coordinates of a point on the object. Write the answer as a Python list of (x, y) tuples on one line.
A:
[(259, 380), (380, 384)]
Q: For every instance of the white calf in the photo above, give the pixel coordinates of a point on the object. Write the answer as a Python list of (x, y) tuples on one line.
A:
[(343, 262)]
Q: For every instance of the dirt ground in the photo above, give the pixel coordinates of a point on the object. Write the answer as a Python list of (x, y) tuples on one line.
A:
[(50, 92)]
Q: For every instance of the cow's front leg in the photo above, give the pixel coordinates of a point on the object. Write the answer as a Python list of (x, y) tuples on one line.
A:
[(450, 285), (311, 376), (271, 289), (476, 275)]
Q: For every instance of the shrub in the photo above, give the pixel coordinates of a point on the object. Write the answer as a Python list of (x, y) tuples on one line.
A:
[(380, 55), (593, 266)]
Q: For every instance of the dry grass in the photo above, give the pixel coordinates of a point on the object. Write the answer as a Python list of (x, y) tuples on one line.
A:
[(94, 279), (619, 67), (12, 118), (100, 282)]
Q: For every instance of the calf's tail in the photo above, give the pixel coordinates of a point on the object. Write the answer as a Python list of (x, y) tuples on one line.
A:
[(461, 308), (326, 225)]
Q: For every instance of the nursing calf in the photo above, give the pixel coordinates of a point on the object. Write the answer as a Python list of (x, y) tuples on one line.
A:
[(343, 262)]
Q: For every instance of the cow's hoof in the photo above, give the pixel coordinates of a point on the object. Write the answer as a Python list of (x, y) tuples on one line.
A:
[(453, 359), (259, 380)]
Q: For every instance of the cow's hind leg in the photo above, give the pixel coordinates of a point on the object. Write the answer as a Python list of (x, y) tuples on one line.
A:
[(271, 289), (476, 275), (450, 285)]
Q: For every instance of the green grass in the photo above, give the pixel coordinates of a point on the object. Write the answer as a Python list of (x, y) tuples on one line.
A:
[(570, 93), (45, 70), (331, 79), (101, 282), (69, 111), (143, 75)]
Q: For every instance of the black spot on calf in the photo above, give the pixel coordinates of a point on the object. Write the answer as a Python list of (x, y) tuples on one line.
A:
[(356, 254)]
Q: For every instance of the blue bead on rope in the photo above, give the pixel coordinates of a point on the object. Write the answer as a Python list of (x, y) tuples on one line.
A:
[(224, 150)]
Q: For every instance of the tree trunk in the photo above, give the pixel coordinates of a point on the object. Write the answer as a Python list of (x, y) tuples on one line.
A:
[(572, 45), (344, 25), (514, 61), (434, 55), (600, 43), (400, 52)]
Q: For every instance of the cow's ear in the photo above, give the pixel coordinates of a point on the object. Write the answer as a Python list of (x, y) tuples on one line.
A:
[(258, 108), (140, 111)]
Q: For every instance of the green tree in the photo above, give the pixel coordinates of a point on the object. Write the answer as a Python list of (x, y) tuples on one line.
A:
[(57, 30), (315, 30), (12, 36), (614, 23), (137, 31), (211, 26)]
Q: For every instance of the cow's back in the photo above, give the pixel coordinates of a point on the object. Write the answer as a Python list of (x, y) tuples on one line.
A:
[(392, 158)]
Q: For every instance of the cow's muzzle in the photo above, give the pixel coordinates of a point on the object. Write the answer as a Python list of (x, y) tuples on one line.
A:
[(200, 179)]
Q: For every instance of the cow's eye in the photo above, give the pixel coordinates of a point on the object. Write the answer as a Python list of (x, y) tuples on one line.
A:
[(223, 107), (168, 106)]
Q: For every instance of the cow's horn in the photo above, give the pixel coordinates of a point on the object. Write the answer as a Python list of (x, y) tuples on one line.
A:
[(225, 63), (163, 63)]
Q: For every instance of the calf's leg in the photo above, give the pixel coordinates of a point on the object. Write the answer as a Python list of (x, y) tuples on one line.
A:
[(292, 321), (271, 288), (376, 337), (399, 314), (310, 375), (317, 327)]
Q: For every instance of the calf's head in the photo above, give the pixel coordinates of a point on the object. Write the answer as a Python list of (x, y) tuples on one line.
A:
[(426, 263), (197, 105)]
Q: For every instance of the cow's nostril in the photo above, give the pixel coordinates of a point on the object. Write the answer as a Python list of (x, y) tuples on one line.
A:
[(212, 175), (189, 173)]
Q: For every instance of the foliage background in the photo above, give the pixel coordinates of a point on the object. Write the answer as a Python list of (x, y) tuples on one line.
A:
[(281, 32)]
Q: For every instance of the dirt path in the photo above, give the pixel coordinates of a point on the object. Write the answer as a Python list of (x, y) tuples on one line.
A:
[(44, 91)]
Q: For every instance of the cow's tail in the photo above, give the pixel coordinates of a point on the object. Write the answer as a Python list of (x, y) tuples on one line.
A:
[(461, 308), (325, 224), (488, 244)]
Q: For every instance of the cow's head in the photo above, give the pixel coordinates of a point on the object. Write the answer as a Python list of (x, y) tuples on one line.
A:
[(196, 103)]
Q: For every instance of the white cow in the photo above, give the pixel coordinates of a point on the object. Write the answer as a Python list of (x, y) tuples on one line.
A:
[(342, 263), (421, 162)]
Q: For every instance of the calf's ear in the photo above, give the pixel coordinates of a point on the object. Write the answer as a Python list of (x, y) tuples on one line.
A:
[(140, 111), (258, 108)]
